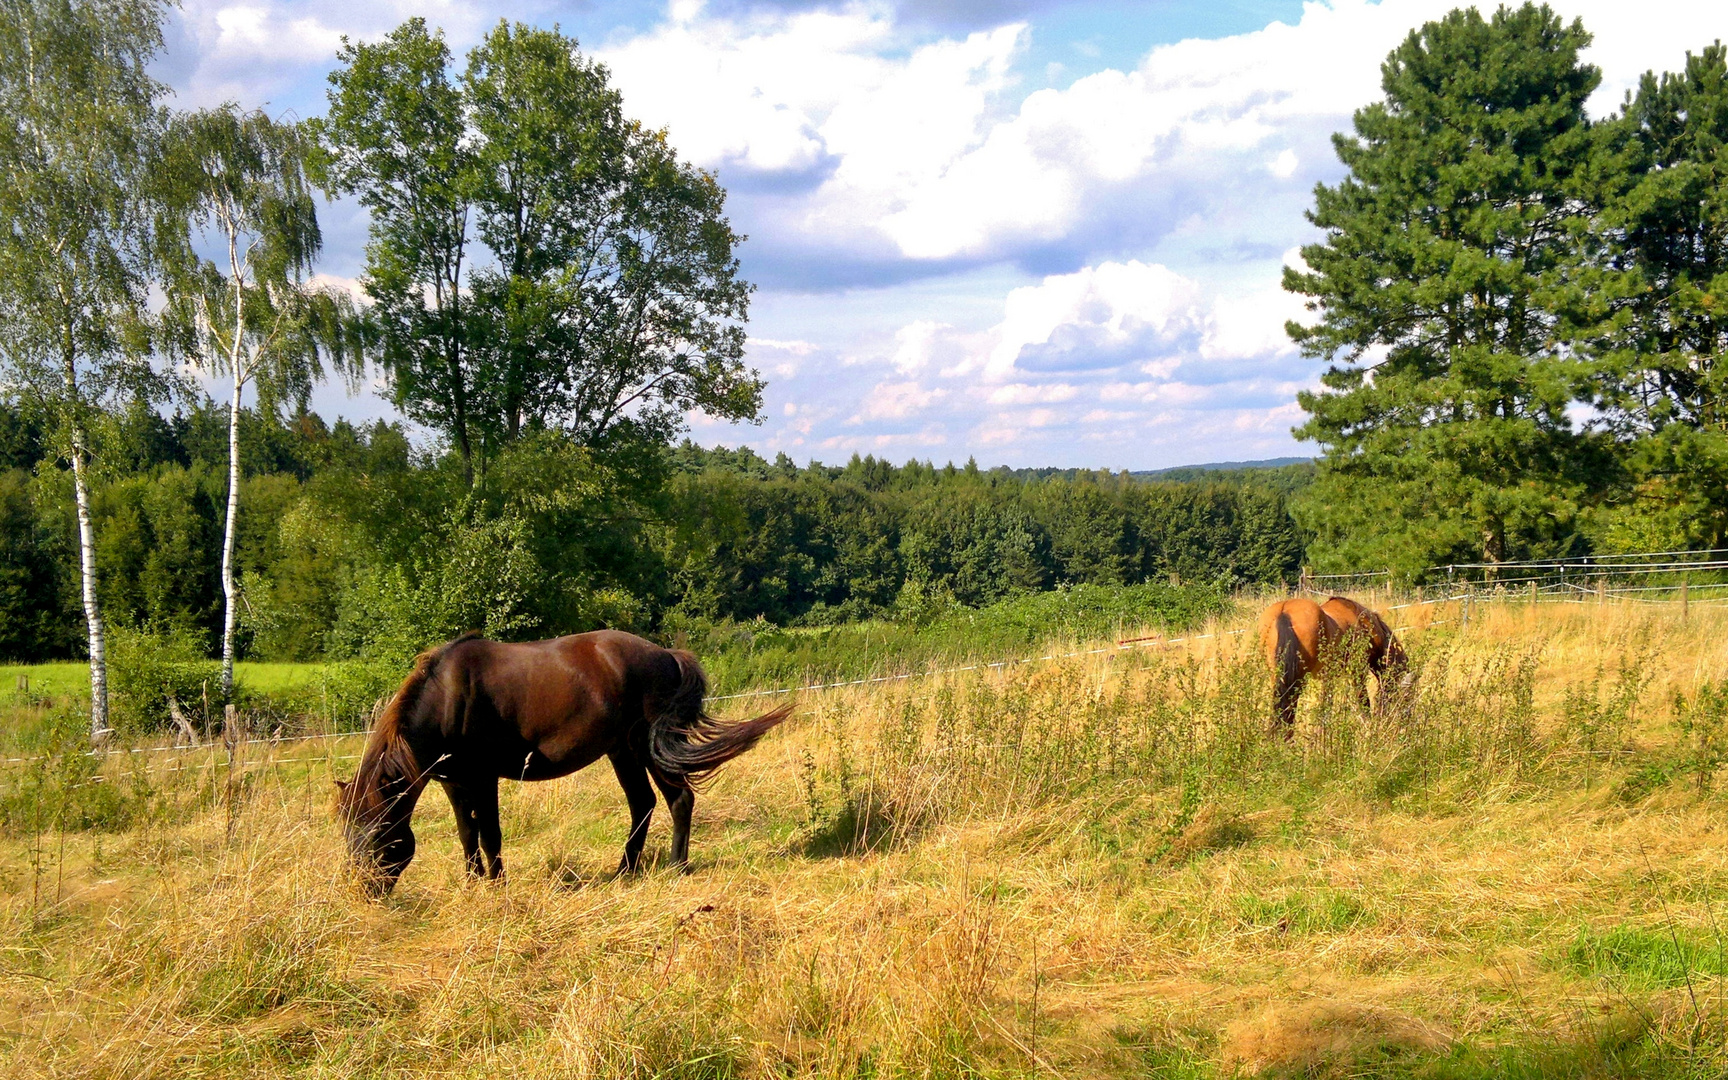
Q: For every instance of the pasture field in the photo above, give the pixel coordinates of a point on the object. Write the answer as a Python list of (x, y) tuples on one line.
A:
[(1101, 866)]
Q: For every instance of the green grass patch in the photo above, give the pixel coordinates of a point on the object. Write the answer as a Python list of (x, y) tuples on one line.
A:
[(1646, 958), (1324, 911), (45, 680)]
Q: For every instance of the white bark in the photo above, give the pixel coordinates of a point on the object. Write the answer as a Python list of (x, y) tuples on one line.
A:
[(229, 610), (228, 591), (99, 729)]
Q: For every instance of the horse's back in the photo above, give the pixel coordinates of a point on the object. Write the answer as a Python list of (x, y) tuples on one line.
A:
[(568, 699), (1309, 625), (1354, 618)]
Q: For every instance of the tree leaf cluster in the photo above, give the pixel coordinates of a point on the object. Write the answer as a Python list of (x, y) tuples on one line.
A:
[(1517, 302), (537, 260)]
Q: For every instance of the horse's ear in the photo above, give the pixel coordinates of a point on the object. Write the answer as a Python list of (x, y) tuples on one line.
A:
[(342, 785)]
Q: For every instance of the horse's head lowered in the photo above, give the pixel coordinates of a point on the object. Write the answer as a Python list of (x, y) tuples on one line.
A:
[(375, 808)]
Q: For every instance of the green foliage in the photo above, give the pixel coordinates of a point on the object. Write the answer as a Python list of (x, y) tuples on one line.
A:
[(151, 669), (32, 597), (485, 580), (739, 656), (393, 137), (1649, 311), (821, 546), (1443, 416), (58, 787), (1703, 724), (157, 550)]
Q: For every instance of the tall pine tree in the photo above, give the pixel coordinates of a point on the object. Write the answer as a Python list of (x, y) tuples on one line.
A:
[(1653, 311), (1444, 414)]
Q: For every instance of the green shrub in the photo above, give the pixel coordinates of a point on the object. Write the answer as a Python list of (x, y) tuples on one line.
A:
[(147, 670)]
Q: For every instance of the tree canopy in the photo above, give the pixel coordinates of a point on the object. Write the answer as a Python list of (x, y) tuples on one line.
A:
[(611, 302)]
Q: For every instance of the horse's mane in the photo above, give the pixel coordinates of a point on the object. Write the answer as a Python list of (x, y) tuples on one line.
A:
[(388, 757)]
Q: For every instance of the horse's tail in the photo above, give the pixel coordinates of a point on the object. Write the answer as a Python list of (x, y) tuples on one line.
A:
[(685, 744), (1287, 661)]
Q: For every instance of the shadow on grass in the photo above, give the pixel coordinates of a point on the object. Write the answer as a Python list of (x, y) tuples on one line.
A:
[(863, 823)]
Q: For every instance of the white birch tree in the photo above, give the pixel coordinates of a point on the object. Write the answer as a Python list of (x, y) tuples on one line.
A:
[(79, 121), (250, 312)]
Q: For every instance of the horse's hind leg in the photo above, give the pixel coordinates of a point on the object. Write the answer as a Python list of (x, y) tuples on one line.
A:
[(484, 799), (682, 802), (633, 778)]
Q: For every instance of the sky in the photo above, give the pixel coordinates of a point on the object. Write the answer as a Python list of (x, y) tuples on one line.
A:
[(1029, 232)]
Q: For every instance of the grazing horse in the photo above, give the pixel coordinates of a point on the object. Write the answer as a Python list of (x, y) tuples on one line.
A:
[(1301, 637), (474, 711)]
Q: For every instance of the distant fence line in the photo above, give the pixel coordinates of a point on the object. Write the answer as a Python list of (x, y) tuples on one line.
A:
[(1630, 576), (1124, 646)]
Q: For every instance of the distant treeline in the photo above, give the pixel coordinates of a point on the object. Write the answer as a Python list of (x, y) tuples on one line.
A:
[(819, 543), (352, 543)]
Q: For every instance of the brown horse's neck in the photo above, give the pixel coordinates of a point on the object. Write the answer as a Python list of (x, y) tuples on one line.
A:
[(389, 780)]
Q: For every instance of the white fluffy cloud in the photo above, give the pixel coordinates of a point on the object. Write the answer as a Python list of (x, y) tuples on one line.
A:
[(925, 149)]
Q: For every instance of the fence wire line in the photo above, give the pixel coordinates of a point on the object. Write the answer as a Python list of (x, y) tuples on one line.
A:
[(194, 748), (1112, 649), (103, 778)]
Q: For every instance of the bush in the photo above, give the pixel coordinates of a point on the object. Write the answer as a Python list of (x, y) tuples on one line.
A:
[(147, 670)]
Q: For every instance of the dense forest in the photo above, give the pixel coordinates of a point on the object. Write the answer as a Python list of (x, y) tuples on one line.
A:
[(355, 543)]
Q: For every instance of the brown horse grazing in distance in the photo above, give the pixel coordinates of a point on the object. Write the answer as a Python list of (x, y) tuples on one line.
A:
[(1301, 637), (474, 711)]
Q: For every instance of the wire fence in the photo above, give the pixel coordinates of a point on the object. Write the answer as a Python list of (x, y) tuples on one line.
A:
[(1683, 576), (1119, 648)]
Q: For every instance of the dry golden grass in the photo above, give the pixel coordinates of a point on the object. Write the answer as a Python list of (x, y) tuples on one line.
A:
[(1094, 867)]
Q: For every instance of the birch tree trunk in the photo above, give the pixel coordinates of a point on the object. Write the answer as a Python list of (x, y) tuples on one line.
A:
[(99, 729), (229, 611)]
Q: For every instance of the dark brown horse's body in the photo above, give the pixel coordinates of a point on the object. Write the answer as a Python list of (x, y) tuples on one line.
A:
[(475, 711), (1301, 637)]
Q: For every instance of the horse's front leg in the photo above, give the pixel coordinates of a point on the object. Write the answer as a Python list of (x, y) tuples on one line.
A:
[(467, 829), (476, 805)]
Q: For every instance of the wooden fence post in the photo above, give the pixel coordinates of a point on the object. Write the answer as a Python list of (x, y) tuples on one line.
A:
[(1684, 599)]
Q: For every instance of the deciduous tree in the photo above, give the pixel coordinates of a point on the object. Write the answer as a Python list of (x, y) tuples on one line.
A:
[(79, 121), (251, 312)]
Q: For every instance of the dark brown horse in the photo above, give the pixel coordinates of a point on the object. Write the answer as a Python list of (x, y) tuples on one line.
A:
[(1302, 637), (474, 711)]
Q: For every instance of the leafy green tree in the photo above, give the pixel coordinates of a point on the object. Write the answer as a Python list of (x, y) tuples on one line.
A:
[(30, 627), (396, 137), (615, 296), (79, 119), (1654, 313), (251, 312), (611, 305), (1443, 417)]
